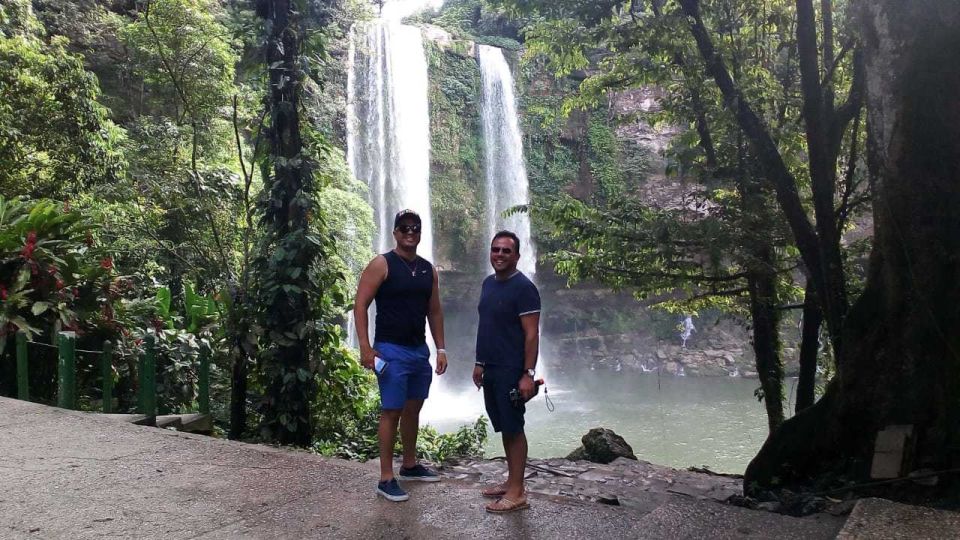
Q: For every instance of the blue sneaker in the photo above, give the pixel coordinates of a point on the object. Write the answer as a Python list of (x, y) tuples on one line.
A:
[(390, 490), (419, 473)]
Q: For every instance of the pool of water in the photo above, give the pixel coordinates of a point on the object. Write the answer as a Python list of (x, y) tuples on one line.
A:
[(675, 421)]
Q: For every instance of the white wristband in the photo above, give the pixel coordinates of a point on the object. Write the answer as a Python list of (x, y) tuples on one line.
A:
[(444, 351)]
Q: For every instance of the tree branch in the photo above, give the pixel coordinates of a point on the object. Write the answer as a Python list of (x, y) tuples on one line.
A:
[(775, 170), (854, 102), (848, 183), (667, 275), (822, 168), (818, 247), (188, 109)]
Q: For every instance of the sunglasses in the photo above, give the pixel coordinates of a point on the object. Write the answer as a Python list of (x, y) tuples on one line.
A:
[(406, 229), (505, 251)]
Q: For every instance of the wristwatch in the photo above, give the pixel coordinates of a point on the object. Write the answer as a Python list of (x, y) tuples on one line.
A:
[(531, 372)]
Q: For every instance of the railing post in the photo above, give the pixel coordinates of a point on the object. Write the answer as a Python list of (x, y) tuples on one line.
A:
[(23, 382), (67, 370), (148, 376), (106, 370), (203, 394)]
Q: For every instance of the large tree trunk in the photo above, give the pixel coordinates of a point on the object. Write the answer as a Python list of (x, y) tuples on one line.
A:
[(289, 378), (238, 328), (809, 349), (902, 351), (765, 317)]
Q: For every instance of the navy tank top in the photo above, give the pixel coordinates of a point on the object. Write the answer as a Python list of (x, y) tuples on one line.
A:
[(403, 301)]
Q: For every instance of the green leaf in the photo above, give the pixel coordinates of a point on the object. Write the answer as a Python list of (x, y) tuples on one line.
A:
[(39, 307), (164, 299)]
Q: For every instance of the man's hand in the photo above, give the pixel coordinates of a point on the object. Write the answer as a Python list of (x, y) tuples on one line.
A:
[(441, 362), (367, 356), (478, 376), (526, 386)]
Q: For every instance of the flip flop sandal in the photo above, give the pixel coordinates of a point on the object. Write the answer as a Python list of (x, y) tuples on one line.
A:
[(493, 492), (504, 505)]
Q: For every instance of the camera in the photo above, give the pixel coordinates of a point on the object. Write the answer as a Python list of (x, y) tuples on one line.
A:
[(517, 400)]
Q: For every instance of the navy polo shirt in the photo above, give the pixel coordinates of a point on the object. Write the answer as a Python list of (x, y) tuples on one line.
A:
[(499, 333)]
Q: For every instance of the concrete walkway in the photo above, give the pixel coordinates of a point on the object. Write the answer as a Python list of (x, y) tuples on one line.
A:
[(66, 474)]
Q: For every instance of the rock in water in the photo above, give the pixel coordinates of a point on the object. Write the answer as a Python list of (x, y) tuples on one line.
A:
[(601, 445)]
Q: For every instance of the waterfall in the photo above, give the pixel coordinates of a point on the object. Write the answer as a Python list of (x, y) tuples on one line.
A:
[(506, 175), (389, 147), (388, 139)]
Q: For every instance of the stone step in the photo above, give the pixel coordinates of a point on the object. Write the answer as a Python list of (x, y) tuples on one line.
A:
[(138, 419), (880, 518), (191, 422), (197, 423), (687, 518), (170, 421)]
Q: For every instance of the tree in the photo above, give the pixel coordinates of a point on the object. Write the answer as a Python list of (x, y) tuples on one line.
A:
[(55, 138), (756, 50), (183, 52), (900, 361), (819, 245), (288, 251), (186, 61)]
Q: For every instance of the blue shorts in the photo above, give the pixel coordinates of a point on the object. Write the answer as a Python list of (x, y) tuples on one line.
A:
[(407, 376), (497, 383)]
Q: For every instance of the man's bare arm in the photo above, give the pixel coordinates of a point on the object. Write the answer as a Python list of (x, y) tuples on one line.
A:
[(370, 280), (435, 320)]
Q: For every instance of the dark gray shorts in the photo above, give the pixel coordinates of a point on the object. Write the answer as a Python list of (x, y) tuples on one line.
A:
[(497, 383)]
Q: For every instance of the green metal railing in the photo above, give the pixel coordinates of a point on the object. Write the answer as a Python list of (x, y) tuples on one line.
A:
[(67, 373)]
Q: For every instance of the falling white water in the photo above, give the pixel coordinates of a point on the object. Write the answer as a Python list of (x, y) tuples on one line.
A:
[(506, 173), (388, 134), (506, 184), (388, 127)]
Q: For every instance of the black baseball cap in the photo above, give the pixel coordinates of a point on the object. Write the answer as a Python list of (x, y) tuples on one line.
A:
[(406, 214)]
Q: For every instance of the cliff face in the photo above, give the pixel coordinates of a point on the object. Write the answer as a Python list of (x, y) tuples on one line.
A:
[(587, 154), (456, 150), (586, 327)]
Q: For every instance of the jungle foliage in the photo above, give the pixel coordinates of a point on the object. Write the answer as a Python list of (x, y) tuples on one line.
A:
[(456, 154), (178, 212), (55, 137)]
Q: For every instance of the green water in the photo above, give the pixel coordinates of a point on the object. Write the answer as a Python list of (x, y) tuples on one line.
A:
[(675, 421)]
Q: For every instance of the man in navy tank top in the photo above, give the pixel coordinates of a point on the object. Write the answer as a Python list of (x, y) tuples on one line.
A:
[(406, 289), (508, 341)]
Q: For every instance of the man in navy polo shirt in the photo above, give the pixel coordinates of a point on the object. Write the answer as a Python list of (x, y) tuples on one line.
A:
[(406, 289), (508, 340)]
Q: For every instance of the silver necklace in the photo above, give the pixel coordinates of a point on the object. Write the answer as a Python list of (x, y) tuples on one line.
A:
[(414, 268)]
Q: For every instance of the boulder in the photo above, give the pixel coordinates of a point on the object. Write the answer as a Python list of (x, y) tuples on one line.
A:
[(601, 445)]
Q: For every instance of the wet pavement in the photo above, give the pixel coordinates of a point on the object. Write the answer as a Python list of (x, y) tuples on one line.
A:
[(67, 474)]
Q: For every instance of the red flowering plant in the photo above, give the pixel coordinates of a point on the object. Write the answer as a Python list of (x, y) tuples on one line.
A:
[(51, 279)]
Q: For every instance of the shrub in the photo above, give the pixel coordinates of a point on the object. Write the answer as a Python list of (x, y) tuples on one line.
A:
[(51, 278)]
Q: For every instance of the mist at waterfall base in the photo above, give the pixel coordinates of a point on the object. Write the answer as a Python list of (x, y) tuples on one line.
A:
[(674, 421)]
